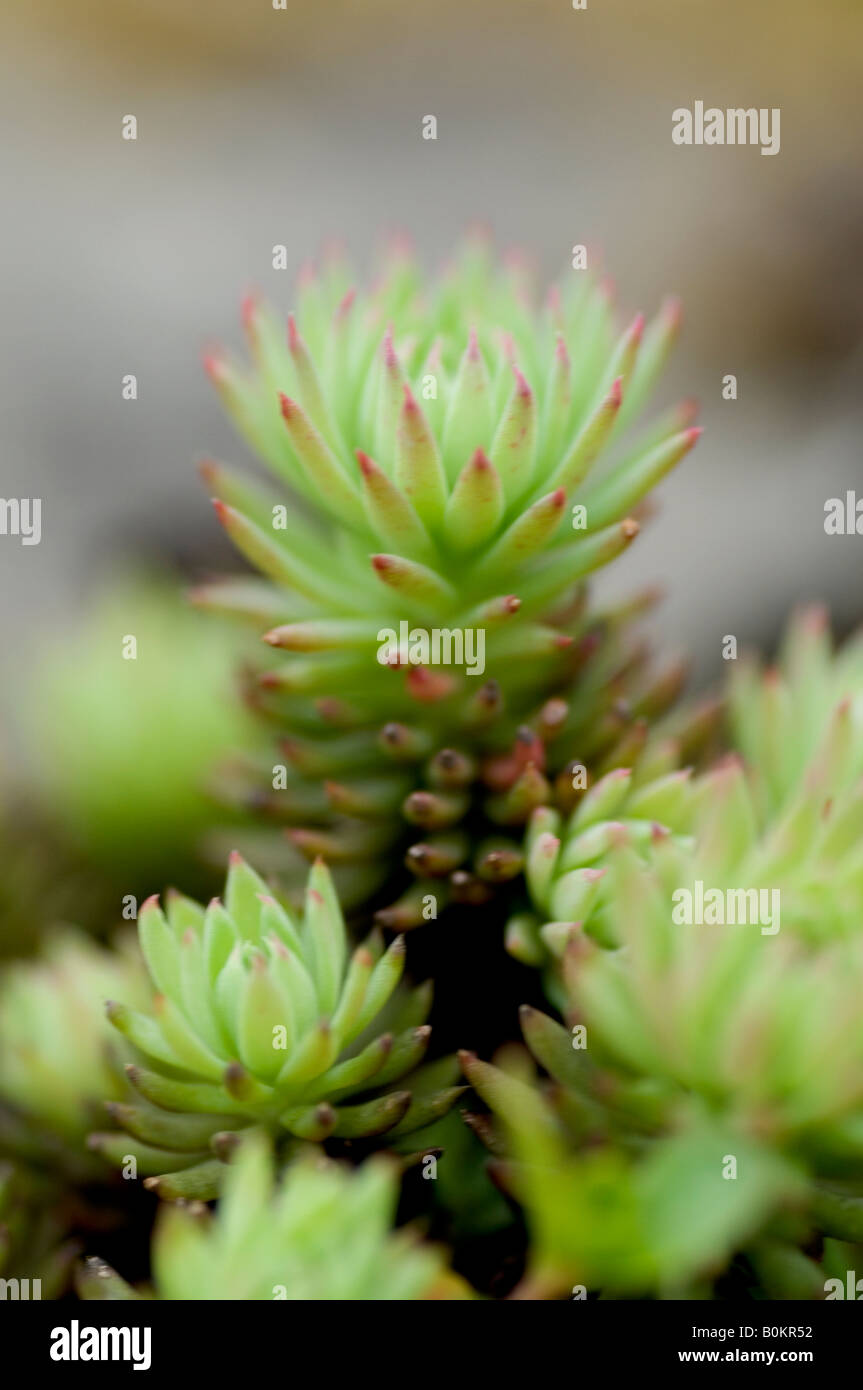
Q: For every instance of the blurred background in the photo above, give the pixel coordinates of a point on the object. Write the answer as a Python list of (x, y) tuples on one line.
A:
[(258, 126)]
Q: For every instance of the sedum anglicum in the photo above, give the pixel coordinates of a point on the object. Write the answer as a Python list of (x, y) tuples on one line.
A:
[(59, 1058), (323, 1232), (737, 1036), (263, 1019), (452, 459), (782, 812)]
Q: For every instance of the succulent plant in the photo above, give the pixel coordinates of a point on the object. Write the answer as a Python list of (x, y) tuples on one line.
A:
[(59, 1058), (798, 727), (566, 859), (737, 1034), (615, 1207), (438, 446), (690, 1044), (265, 1020), (446, 709), (324, 1232), (783, 809), (124, 771)]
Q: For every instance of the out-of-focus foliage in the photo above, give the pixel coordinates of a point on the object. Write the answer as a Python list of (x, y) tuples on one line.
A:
[(125, 746), (59, 1056), (322, 1233), (712, 971)]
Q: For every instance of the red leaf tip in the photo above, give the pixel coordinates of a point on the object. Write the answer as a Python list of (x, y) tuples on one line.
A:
[(672, 312), (345, 305), (390, 357), (521, 384), (214, 364)]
